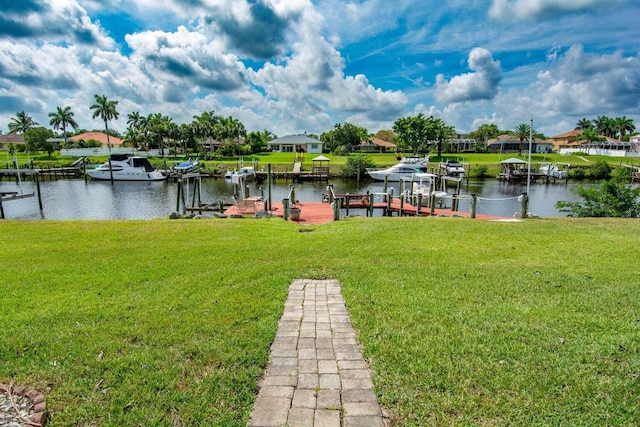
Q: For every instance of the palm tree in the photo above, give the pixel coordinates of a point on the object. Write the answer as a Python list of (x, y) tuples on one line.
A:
[(62, 118), (232, 128), (442, 132), (134, 120), (589, 136), (605, 126), (522, 132), (21, 123), (623, 124), (584, 123), (106, 110)]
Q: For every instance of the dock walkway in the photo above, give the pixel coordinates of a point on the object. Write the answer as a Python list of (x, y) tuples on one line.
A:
[(317, 375), (310, 213)]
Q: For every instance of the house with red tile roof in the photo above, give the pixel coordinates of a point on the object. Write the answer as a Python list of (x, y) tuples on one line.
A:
[(101, 137)]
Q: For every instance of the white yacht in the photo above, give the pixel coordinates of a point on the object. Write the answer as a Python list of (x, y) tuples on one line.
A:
[(405, 169), (126, 167)]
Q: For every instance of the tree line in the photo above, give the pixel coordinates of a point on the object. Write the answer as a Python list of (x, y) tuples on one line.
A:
[(157, 131)]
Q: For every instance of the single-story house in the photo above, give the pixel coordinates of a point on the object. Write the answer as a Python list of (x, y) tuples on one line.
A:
[(101, 137), (295, 144), (211, 144), (376, 145), (11, 138), (510, 144), (459, 144)]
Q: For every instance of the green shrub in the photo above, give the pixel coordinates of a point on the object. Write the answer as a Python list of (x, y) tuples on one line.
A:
[(577, 173), (480, 171), (621, 174), (610, 199), (600, 170), (356, 166)]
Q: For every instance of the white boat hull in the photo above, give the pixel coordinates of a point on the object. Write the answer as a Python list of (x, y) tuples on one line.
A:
[(390, 176), (403, 170), (126, 168), (103, 175)]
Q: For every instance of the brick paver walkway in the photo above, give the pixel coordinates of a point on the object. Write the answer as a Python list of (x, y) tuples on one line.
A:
[(316, 376)]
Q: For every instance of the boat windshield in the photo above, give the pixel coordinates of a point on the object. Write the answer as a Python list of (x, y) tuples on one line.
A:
[(142, 162)]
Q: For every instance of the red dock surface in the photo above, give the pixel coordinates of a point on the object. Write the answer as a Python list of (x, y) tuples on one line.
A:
[(310, 212), (322, 213)]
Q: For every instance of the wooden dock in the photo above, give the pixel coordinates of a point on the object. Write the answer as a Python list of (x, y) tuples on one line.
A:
[(51, 173), (310, 212), (322, 213)]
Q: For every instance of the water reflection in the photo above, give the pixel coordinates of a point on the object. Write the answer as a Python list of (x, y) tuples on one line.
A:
[(75, 199)]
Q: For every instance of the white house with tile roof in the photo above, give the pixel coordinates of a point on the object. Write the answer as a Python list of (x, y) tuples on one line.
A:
[(295, 143)]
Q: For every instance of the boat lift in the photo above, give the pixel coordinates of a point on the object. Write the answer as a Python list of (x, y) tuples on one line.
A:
[(6, 196)]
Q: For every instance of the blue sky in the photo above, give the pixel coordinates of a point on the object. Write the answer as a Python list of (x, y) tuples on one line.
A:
[(291, 66)]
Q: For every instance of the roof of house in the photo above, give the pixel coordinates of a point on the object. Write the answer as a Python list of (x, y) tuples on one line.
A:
[(101, 137), (295, 139), (11, 138), (575, 133), (511, 138), (382, 143)]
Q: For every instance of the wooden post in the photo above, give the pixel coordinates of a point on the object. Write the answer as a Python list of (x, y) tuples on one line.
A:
[(371, 199), (525, 205), (474, 203), (193, 194), (347, 200), (37, 178), (432, 204), (454, 202), (401, 203), (269, 187), (178, 195), (386, 183), (419, 204), (1, 208), (285, 207), (336, 209)]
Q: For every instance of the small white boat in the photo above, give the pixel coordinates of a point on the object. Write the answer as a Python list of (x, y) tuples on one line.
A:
[(554, 171), (452, 168), (405, 169), (245, 172), (424, 184), (186, 167), (126, 167)]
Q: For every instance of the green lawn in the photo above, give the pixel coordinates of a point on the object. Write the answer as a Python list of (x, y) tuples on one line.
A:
[(463, 322)]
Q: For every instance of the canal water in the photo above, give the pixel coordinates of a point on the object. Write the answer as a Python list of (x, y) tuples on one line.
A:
[(75, 199)]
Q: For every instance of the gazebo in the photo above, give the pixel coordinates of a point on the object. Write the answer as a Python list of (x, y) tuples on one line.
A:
[(320, 167), (513, 169)]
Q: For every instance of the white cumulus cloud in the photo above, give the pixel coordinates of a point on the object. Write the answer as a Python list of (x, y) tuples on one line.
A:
[(482, 83)]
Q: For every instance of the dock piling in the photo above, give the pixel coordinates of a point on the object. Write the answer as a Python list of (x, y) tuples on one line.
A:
[(37, 178), (474, 203)]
